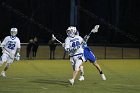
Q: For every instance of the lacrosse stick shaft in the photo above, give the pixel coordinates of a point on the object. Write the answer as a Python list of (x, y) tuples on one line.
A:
[(8, 52), (90, 33), (4, 49), (58, 40)]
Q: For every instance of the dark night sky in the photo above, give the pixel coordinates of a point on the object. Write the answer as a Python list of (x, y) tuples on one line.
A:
[(119, 20)]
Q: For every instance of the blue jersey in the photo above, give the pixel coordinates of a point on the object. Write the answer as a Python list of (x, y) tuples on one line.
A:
[(88, 54)]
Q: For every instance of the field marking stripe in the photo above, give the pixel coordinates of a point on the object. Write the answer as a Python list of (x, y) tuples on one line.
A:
[(122, 85), (44, 88), (17, 78)]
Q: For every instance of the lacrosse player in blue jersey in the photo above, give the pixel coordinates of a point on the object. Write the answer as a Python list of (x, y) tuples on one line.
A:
[(11, 48), (88, 54), (74, 47)]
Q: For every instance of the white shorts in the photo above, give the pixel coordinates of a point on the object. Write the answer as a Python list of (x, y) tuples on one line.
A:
[(6, 58), (77, 61)]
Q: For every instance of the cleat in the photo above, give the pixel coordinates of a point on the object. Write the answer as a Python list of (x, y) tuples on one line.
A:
[(3, 74), (103, 77), (81, 78), (71, 81)]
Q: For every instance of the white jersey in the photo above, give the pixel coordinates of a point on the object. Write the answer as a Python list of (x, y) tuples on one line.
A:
[(72, 43), (11, 44)]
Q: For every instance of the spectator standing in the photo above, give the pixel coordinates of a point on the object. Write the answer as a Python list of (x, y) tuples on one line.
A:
[(35, 47), (52, 46), (29, 48)]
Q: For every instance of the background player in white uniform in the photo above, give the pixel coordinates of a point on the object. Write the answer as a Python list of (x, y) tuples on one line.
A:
[(11, 48), (74, 47)]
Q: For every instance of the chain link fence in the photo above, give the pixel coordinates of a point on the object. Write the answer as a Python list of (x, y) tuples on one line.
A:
[(101, 52)]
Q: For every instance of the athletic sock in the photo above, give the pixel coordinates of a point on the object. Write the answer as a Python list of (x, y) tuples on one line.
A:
[(101, 72)]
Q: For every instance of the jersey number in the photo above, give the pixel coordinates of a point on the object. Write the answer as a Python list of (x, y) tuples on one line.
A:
[(11, 45), (74, 44)]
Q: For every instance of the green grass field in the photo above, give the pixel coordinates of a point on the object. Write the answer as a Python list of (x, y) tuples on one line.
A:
[(51, 76)]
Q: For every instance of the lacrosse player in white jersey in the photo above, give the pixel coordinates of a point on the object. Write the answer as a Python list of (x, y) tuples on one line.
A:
[(74, 48), (11, 48)]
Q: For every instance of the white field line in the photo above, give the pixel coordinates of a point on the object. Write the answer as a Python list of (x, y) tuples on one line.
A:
[(122, 85)]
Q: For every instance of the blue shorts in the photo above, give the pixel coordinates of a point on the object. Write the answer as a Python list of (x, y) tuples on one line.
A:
[(89, 55)]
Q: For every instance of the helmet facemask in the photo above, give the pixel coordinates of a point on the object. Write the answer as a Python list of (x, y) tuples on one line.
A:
[(13, 31), (71, 31)]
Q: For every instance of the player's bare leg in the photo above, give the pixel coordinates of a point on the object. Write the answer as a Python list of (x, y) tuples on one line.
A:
[(5, 69), (81, 73), (100, 70), (74, 76), (76, 70)]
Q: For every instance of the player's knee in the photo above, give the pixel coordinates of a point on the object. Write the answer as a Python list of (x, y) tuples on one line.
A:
[(73, 67), (93, 62), (76, 68), (8, 65), (81, 67), (96, 64)]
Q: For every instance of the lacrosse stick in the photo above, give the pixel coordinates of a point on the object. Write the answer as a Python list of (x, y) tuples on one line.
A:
[(56, 39), (4, 48), (94, 30), (11, 55)]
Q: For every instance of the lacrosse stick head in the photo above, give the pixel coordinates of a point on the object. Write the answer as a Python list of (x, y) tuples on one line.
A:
[(95, 29), (53, 37)]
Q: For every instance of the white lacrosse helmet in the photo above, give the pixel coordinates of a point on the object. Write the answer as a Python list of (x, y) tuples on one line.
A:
[(14, 31), (71, 31)]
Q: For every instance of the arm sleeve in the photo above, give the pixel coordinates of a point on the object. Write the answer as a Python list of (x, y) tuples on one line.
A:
[(18, 44), (4, 42), (67, 46), (18, 47)]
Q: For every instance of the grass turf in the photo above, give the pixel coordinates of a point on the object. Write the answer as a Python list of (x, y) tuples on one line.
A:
[(51, 76)]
